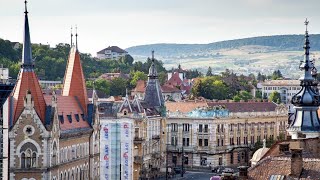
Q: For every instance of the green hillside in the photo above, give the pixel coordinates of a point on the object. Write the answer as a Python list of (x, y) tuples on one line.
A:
[(278, 42)]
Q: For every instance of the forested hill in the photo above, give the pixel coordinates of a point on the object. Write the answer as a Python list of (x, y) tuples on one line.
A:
[(278, 42)]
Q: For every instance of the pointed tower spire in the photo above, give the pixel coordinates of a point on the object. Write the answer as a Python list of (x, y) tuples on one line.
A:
[(74, 82), (26, 51), (153, 94), (76, 37), (306, 101), (71, 38), (27, 80)]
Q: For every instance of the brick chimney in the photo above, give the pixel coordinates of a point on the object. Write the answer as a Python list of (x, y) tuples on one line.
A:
[(296, 162), (243, 172)]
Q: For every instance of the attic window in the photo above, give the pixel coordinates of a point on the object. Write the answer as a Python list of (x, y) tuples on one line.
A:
[(61, 119), (69, 118), (77, 117), (82, 116)]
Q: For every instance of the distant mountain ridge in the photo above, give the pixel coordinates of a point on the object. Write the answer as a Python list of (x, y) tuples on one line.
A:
[(278, 42)]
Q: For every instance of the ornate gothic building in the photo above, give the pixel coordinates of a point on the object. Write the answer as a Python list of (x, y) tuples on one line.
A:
[(51, 136)]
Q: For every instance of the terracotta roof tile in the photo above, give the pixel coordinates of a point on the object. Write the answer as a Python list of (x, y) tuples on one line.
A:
[(140, 87), (166, 88), (175, 80), (66, 106), (184, 107), (27, 80), (74, 82)]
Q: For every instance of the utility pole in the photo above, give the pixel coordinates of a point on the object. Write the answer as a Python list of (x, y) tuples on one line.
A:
[(182, 158)]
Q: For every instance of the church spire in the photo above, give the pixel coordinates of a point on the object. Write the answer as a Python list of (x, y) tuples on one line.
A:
[(26, 51), (27, 80), (153, 94), (74, 81), (306, 101)]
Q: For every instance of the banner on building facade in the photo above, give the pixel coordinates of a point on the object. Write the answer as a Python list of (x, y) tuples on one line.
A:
[(105, 152), (126, 150)]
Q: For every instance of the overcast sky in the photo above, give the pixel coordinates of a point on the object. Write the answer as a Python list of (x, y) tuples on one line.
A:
[(128, 23)]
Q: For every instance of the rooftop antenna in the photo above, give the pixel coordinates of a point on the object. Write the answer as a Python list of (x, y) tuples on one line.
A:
[(76, 37), (152, 52), (306, 22), (25, 7), (71, 37)]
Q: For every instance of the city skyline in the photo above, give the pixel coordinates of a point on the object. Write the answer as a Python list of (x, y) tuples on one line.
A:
[(125, 23)]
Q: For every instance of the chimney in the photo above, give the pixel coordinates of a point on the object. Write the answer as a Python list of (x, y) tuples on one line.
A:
[(243, 172), (296, 162)]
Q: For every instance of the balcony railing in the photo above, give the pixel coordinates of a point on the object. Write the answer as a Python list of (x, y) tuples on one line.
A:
[(138, 140), (156, 137)]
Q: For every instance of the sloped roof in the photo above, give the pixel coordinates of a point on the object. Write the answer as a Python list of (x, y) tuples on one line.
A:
[(113, 49), (281, 83), (27, 80), (166, 88), (74, 83), (184, 107), (140, 87), (68, 106), (175, 80)]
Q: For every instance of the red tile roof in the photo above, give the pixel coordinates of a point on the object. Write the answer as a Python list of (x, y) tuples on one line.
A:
[(68, 105), (74, 83), (27, 80), (166, 88), (174, 80), (184, 107), (140, 87)]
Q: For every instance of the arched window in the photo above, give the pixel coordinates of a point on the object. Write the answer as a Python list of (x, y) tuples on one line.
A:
[(28, 155), (61, 176)]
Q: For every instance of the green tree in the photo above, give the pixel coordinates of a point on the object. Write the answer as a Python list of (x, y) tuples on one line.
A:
[(243, 95), (258, 94), (162, 77), (136, 76), (118, 87), (275, 97), (100, 84), (210, 88), (127, 59), (209, 72), (276, 75), (193, 74), (196, 88)]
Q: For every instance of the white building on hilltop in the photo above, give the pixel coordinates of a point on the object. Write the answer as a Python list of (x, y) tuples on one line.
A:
[(111, 52)]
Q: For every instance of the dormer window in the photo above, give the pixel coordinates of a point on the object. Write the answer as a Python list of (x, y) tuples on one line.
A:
[(69, 118), (77, 117), (61, 119), (125, 113)]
